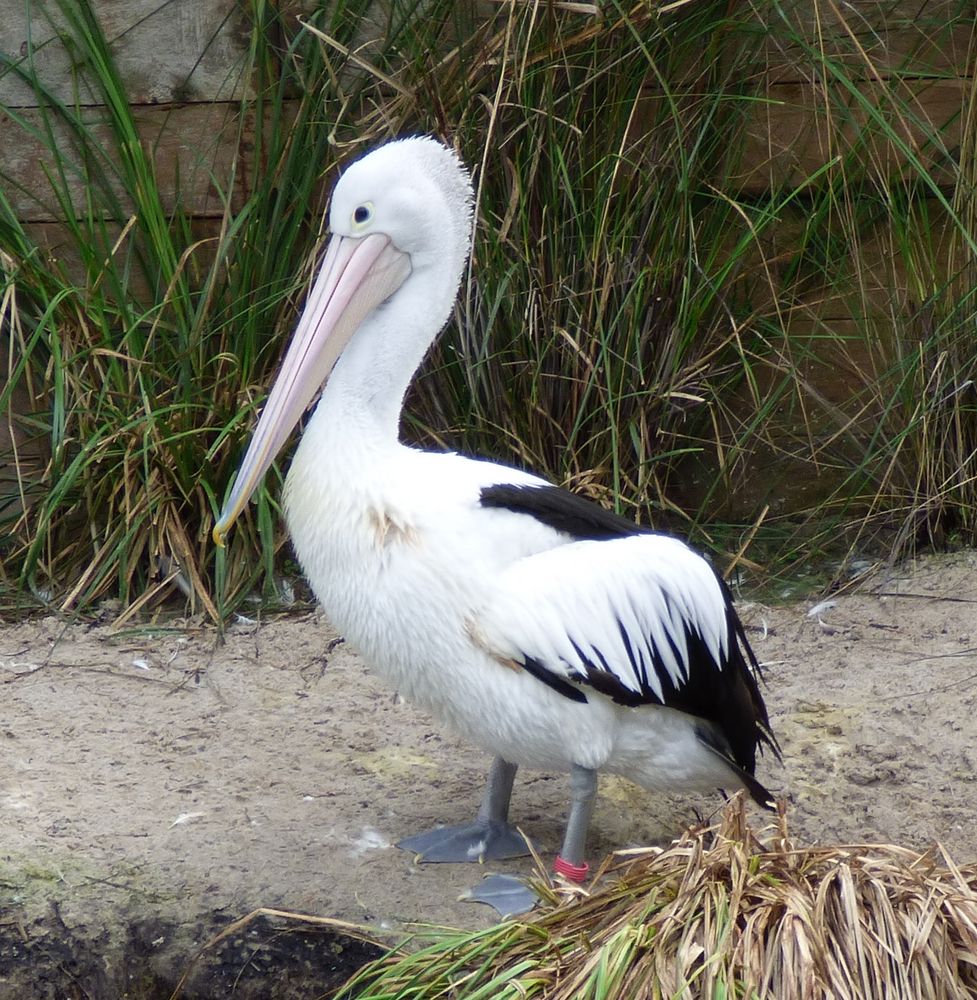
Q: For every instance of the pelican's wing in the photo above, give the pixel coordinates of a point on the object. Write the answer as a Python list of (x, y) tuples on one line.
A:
[(636, 616), (639, 619)]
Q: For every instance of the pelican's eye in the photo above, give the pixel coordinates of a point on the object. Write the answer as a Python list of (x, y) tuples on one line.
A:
[(362, 214)]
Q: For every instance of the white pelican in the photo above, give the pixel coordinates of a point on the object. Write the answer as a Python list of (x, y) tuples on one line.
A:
[(543, 628)]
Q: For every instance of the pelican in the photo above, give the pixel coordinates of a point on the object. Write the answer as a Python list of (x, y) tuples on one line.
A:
[(541, 627)]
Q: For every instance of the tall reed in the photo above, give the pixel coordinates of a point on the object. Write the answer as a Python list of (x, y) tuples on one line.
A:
[(649, 316)]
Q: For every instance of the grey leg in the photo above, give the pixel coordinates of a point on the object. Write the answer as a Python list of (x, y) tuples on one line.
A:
[(489, 838), (510, 895), (498, 792), (572, 861)]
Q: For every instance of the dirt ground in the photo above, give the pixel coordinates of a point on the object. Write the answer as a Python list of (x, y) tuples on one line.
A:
[(156, 784)]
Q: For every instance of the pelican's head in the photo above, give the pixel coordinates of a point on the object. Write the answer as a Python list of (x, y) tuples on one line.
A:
[(416, 192), (401, 210)]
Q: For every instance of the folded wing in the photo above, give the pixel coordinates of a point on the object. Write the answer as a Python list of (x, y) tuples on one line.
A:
[(639, 619)]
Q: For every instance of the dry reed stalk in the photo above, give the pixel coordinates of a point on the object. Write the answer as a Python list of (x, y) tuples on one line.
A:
[(725, 911)]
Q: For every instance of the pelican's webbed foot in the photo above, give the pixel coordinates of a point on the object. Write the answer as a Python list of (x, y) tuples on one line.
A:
[(483, 840), (489, 838), (509, 895)]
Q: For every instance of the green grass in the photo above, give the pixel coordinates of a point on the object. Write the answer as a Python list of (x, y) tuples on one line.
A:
[(639, 322)]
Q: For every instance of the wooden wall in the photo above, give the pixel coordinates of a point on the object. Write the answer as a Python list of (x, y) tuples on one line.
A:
[(922, 47), (182, 63), (922, 52)]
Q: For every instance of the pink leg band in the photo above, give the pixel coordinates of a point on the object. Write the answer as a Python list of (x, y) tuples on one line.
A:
[(572, 873)]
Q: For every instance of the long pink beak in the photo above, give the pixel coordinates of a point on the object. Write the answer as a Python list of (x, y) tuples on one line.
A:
[(357, 274)]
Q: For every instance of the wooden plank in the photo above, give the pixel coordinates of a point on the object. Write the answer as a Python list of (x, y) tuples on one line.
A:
[(788, 133), (166, 50), (56, 241), (797, 129), (814, 432), (867, 38), (23, 447), (873, 273), (193, 149)]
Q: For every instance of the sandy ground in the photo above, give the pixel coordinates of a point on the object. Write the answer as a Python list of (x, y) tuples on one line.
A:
[(157, 784)]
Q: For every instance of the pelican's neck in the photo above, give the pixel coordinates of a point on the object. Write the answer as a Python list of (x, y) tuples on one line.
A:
[(364, 395)]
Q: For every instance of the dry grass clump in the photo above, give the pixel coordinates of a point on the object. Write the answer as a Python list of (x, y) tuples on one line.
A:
[(722, 913)]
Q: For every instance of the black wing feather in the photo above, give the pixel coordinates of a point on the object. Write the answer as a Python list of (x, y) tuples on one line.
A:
[(561, 510)]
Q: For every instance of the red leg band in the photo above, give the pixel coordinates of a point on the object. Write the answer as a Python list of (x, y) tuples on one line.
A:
[(572, 873)]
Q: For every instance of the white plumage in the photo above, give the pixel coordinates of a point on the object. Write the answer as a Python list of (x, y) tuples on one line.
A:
[(544, 629), (560, 605)]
